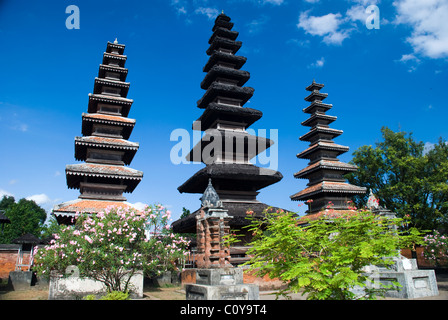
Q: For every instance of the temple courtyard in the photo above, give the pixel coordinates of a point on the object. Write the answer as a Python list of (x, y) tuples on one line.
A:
[(178, 293)]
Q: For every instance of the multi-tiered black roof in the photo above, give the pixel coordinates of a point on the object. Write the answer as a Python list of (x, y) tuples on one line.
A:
[(104, 147), (324, 171), (225, 119)]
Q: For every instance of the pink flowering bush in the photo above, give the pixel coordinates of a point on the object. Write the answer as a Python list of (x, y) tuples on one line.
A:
[(436, 248), (112, 246)]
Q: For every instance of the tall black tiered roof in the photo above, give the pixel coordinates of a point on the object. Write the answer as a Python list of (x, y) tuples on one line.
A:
[(104, 147), (225, 117), (324, 171)]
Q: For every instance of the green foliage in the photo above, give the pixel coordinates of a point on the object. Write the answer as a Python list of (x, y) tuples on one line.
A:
[(405, 179), (25, 216), (50, 227), (111, 246), (326, 257), (116, 295)]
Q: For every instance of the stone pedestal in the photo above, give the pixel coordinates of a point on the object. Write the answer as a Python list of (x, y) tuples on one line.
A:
[(414, 283), (20, 280), (221, 284)]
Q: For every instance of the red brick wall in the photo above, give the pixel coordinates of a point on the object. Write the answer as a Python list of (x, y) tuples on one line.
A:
[(8, 260), (421, 261)]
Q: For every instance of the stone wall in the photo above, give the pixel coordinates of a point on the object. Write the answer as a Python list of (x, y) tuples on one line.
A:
[(74, 287)]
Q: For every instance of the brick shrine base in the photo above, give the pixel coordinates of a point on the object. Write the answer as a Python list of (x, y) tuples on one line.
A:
[(221, 284), (188, 276)]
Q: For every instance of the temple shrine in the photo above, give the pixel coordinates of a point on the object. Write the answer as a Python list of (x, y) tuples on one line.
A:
[(327, 186), (104, 147), (227, 148)]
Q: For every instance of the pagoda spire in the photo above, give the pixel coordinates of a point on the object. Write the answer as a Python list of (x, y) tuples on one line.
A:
[(225, 119), (324, 171), (104, 147)]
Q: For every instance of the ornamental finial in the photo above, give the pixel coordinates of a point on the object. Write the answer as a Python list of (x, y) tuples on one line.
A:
[(115, 41)]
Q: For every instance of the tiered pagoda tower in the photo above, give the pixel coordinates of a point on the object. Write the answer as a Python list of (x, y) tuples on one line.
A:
[(225, 120), (324, 171), (104, 147)]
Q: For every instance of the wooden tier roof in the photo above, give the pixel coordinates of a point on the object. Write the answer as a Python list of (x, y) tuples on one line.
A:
[(305, 154), (325, 164), (226, 90), (219, 42), (214, 111), (316, 130), (316, 95), (218, 56), (119, 58), (222, 21), (82, 143), (223, 33), (327, 187), (227, 73), (123, 72), (114, 173), (88, 119), (231, 177), (314, 86), (317, 104), (232, 138), (100, 82), (117, 46), (64, 212), (318, 117), (94, 99)]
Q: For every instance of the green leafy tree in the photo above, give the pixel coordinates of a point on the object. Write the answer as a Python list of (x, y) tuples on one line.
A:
[(50, 228), (25, 216), (111, 246), (405, 179), (326, 257)]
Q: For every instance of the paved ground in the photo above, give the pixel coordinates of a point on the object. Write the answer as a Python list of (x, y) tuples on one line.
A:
[(176, 293)]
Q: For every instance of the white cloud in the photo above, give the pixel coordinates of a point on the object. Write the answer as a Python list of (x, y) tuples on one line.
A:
[(326, 26), (139, 205), (409, 57), (357, 13), (211, 13), (5, 193), (430, 25), (40, 199), (179, 6), (319, 63), (256, 25), (411, 60), (274, 2)]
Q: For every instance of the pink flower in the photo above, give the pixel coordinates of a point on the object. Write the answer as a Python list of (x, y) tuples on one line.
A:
[(89, 240)]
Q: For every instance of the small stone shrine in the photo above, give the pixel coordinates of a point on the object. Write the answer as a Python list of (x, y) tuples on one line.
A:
[(414, 283), (230, 147), (216, 278), (104, 147), (324, 171)]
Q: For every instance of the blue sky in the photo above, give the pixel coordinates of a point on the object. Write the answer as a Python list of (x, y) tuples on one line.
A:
[(394, 76)]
